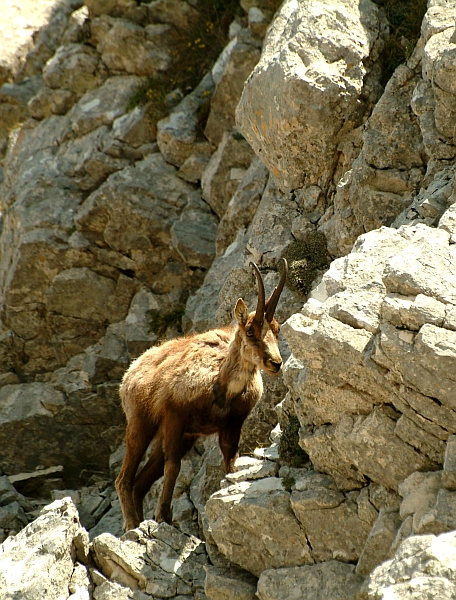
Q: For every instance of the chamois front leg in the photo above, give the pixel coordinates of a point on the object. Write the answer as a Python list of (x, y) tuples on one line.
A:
[(229, 444), (173, 451), (154, 469)]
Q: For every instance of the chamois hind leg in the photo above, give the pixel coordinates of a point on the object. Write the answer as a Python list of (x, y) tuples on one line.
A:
[(229, 444), (174, 449), (137, 439), (154, 469)]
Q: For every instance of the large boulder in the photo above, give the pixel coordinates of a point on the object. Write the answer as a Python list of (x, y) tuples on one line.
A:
[(31, 20), (330, 580), (129, 48), (403, 174), (388, 172), (178, 135), (40, 561), (303, 94), (156, 559), (422, 567), (372, 350), (259, 511), (230, 73)]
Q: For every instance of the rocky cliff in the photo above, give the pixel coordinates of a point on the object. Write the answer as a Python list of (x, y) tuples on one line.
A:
[(149, 151)]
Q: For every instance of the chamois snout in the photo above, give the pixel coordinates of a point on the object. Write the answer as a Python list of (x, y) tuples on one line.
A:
[(274, 366)]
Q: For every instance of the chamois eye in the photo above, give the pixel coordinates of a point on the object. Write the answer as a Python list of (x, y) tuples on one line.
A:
[(249, 332)]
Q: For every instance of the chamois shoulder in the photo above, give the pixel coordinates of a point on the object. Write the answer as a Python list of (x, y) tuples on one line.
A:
[(216, 337)]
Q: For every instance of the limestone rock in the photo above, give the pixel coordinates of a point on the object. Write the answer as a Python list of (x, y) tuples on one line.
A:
[(210, 474), (12, 519), (387, 172), (102, 105), (178, 134), (29, 19), (419, 492), (14, 109), (165, 214), (219, 180), (110, 7), (48, 40), (449, 465), (249, 469), (9, 494), (155, 558), (331, 580), (39, 561), (441, 515), (30, 483), (51, 425), (243, 205), (270, 231), (130, 48), (422, 567), (332, 523), (193, 167), (379, 541), (174, 12), (75, 67), (133, 128), (72, 295), (138, 336), (203, 307), (298, 72), (30, 409), (431, 202), (229, 584), (257, 427), (239, 59), (348, 344), (111, 522), (48, 102), (78, 26), (259, 511)]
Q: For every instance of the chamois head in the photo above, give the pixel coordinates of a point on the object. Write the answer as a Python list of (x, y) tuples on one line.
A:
[(259, 330)]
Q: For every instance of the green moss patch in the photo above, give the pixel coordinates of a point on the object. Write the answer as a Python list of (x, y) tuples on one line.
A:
[(290, 452), (405, 18), (194, 51), (305, 258), (160, 322), (288, 483)]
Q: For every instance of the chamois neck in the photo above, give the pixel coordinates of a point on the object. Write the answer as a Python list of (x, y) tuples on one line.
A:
[(237, 371)]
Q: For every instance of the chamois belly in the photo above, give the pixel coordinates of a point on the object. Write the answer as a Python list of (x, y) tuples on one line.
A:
[(219, 413)]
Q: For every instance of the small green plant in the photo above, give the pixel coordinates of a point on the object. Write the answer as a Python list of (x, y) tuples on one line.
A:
[(405, 18), (193, 53), (288, 483), (290, 452), (160, 322), (305, 258)]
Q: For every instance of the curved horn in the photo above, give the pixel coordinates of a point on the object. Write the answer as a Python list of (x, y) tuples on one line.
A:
[(259, 315), (273, 299)]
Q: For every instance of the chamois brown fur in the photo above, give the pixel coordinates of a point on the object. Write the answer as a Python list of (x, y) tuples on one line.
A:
[(190, 387)]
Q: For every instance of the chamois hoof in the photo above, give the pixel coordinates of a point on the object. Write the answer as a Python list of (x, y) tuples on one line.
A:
[(163, 517), (128, 525)]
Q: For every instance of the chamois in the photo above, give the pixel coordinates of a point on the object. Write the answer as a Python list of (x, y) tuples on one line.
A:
[(190, 387)]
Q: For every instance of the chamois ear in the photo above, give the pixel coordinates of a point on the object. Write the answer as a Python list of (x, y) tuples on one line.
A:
[(241, 312)]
